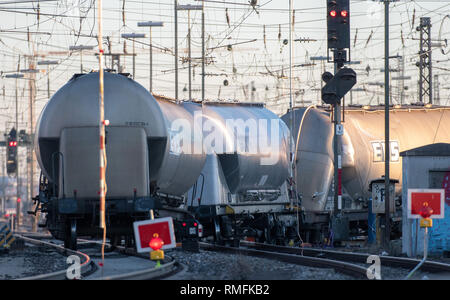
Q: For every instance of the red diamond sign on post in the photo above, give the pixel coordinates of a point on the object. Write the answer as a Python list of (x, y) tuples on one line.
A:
[(144, 232), (431, 199)]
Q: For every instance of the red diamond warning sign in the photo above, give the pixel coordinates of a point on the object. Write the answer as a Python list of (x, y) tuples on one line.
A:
[(420, 198), (144, 231)]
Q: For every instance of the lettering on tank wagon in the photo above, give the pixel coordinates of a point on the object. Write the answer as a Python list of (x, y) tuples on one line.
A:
[(378, 150), (136, 124)]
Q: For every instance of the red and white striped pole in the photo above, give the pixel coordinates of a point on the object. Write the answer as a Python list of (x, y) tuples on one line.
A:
[(102, 130)]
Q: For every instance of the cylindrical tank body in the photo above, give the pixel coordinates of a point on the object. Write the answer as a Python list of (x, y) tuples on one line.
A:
[(138, 144), (362, 147), (313, 136), (255, 150)]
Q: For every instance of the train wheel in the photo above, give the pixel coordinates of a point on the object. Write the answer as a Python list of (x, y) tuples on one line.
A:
[(70, 241), (268, 236), (115, 241), (129, 241)]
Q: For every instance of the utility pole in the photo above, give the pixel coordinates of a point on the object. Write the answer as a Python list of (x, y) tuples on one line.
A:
[(189, 8), (387, 156), (30, 160), (18, 217), (133, 36), (203, 51), (176, 50), (16, 77), (48, 63), (150, 25), (425, 63), (81, 48), (190, 55)]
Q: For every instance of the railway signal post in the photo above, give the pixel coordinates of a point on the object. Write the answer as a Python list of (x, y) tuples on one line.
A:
[(337, 86)]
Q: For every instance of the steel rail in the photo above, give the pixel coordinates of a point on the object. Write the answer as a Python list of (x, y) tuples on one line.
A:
[(388, 261), (148, 274), (86, 265), (165, 270), (316, 262)]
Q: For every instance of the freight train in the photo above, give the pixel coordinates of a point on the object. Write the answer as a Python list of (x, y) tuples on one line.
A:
[(225, 164), (157, 150)]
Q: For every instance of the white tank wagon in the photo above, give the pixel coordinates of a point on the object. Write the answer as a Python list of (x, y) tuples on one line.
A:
[(242, 190), (143, 170), (363, 151)]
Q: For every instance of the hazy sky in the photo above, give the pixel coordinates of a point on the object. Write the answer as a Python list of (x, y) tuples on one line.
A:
[(59, 27)]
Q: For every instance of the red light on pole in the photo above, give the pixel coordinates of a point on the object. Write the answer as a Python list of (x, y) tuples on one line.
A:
[(156, 243), (18, 200), (426, 211), (344, 13), (333, 13)]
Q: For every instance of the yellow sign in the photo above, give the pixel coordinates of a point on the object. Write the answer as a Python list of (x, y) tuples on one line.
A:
[(157, 255), (426, 223)]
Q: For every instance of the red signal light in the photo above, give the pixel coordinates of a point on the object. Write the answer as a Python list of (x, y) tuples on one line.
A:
[(13, 144), (344, 13), (184, 224), (195, 224), (18, 200), (333, 13), (156, 243), (426, 211)]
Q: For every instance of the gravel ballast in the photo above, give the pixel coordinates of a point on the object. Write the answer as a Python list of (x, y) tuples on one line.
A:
[(30, 261)]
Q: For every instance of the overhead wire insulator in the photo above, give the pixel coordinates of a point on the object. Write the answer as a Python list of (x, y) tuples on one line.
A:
[(38, 14), (265, 37), (254, 3), (123, 12), (368, 39), (403, 38), (293, 17), (227, 17), (279, 33)]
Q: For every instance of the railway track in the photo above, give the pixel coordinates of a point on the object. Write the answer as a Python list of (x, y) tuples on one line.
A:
[(350, 257), (89, 269), (352, 264), (347, 268), (86, 265)]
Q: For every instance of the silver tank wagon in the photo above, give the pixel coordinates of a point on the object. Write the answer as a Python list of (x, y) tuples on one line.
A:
[(240, 189), (142, 161), (362, 148)]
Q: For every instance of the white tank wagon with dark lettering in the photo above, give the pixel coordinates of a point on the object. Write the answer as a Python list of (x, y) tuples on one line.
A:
[(363, 157), (143, 171)]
